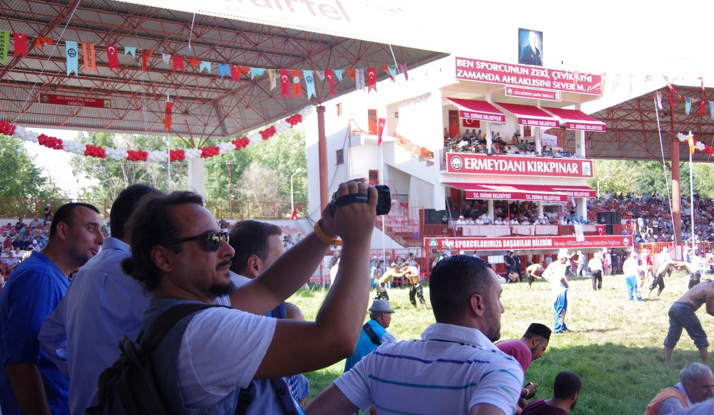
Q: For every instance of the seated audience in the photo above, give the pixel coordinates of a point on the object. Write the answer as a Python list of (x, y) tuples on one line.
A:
[(566, 390)]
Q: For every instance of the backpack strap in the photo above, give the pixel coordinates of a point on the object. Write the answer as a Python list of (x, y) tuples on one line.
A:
[(371, 334), (165, 322)]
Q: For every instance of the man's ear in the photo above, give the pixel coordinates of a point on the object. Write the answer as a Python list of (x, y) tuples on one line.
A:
[(477, 305), (575, 396), (162, 259), (62, 230), (254, 265)]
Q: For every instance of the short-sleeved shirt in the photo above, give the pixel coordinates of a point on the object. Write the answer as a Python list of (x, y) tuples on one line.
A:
[(452, 369), (539, 407), (518, 350), (365, 345), (31, 294)]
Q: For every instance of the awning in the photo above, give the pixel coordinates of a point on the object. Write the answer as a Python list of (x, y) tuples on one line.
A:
[(575, 191), (577, 120), (533, 193), (477, 110), (530, 115)]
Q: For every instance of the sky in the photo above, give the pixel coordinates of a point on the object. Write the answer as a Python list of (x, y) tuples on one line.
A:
[(624, 39)]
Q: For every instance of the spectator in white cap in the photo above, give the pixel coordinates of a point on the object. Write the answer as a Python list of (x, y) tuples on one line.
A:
[(374, 332)]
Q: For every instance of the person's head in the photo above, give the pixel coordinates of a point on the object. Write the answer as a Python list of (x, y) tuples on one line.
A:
[(124, 206), (77, 230), (536, 338), (293, 312), (381, 312), (464, 291), (566, 387), (257, 245), (698, 381), (563, 257), (177, 247)]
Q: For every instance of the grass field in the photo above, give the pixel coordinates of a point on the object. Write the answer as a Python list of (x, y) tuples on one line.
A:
[(615, 345)]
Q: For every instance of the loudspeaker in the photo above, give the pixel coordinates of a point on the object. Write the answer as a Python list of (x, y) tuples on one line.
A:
[(615, 218), (428, 216), (603, 218), (443, 216), (608, 229)]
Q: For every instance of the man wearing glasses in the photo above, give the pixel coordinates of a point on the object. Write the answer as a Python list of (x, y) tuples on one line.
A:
[(180, 255)]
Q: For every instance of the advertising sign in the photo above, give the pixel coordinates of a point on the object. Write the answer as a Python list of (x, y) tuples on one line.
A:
[(530, 93), (75, 101), (552, 242), (465, 163)]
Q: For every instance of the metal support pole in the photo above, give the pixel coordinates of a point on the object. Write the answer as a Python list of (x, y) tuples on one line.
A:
[(676, 193), (322, 157)]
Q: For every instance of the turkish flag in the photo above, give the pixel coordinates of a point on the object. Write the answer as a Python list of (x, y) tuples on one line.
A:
[(167, 116), (177, 63), (702, 107), (331, 80), (112, 57), (284, 83), (381, 122), (145, 56), (20, 44), (371, 79), (294, 213)]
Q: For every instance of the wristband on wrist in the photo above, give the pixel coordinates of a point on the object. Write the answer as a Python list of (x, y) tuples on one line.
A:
[(322, 235)]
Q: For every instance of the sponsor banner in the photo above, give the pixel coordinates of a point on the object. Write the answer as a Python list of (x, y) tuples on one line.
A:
[(527, 76), (577, 193), (470, 123), (75, 101), (485, 195), (518, 166), (470, 115), (533, 94), (536, 122), (585, 127), (553, 242)]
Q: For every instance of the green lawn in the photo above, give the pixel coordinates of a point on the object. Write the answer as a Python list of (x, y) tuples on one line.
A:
[(615, 345)]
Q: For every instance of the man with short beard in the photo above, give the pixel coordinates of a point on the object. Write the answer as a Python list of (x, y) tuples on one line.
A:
[(29, 382), (566, 390), (456, 360)]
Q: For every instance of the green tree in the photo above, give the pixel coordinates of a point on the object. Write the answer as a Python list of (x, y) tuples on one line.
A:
[(20, 177)]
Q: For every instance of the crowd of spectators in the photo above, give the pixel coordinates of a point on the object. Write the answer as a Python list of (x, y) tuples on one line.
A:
[(472, 141), (514, 213)]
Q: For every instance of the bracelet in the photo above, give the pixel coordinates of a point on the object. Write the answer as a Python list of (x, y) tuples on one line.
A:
[(322, 235), (528, 392)]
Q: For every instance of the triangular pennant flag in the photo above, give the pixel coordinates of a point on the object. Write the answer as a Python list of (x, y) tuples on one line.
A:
[(339, 73), (320, 75), (360, 82), (112, 57), (273, 83), (254, 72), (168, 116), (381, 122), (351, 73), (236, 73), (145, 56), (392, 71), (711, 109), (224, 69), (130, 50), (20, 44), (687, 105), (403, 68), (284, 83), (371, 79), (193, 62), (310, 83), (659, 99), (177, 63), (166, 58), (4, 45), (205, 65), (297, 84), (330, 76), (72, 54), (41, 41), (385, 68), (89, 58)]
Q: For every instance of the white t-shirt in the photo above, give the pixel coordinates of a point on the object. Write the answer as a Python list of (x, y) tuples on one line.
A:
[(221, 350)]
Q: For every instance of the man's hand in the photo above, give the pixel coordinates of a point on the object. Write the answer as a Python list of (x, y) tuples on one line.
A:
[(356, 220)]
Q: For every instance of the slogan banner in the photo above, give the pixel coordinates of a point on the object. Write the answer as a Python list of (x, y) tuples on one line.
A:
[(585, 127), (533, 94), (75, 101), (527, 76), (537, 122), (464, 163), (553, 242)]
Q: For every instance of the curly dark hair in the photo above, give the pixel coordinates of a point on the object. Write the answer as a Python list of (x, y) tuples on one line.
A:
[(150, 225)]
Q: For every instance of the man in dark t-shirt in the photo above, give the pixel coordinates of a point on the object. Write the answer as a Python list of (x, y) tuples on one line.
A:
[(566, 390)]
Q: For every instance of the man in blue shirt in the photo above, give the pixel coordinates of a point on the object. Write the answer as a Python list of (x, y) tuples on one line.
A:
[(102, 303), (29, 382), (374, 332)]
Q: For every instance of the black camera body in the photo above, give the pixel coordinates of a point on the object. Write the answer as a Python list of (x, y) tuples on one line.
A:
[(384, 200)]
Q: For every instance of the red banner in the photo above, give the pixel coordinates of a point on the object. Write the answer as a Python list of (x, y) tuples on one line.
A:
[(552, 242), (585, 127), (75, 101), (536, 122), (527, 76), (533, 94), (518, 166)]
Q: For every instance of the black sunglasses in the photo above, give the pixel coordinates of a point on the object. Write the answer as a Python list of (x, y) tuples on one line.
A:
[(213, 239)]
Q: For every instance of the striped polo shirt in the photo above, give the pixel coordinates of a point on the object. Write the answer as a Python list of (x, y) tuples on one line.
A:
[(452, 369)]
